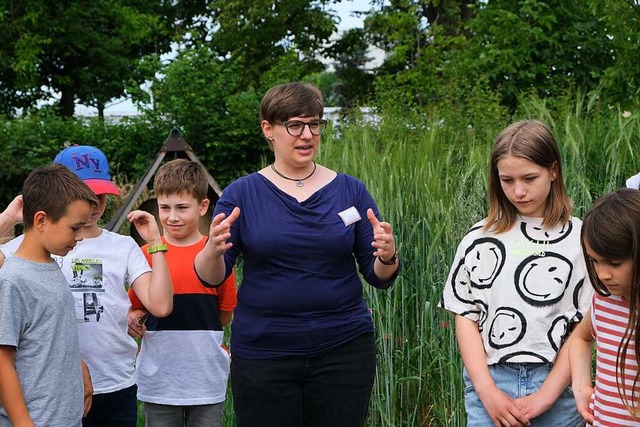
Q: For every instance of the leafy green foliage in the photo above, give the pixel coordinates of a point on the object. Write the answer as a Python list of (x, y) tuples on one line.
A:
[(402, 28), (621, 22), (217, 113), (35, 140), (550, 47), (259, 32), (353, 85), (85, 50), (423, 69), (212, 90), (546, 48), (325, 81)]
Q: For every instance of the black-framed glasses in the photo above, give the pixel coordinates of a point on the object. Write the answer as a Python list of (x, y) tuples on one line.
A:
[(296, 127)]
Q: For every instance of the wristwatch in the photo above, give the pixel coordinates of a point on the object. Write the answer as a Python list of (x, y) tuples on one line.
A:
[(392, 261)]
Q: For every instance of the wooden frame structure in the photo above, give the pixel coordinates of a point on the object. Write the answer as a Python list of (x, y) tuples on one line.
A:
[(173, 144)]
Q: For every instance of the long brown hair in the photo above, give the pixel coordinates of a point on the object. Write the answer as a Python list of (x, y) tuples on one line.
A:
[(531, 140), (611, 227)]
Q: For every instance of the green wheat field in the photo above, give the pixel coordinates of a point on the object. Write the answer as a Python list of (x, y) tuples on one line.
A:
[(428, 177)]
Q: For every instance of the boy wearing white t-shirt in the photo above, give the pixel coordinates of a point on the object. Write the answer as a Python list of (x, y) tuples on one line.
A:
[(99, 270)]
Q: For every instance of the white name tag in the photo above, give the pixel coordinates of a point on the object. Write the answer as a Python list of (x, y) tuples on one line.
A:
[(349, 216)]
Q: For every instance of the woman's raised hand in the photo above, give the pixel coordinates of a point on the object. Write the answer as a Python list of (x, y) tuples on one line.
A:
[(220, 231), (383, 240)]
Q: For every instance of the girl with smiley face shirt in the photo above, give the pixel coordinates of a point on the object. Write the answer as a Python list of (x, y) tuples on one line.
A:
[(517, 287), (611, 241)]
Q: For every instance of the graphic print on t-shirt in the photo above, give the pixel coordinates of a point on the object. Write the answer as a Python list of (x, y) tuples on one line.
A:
[(523, 287), (507, 328), (544, 236), (482, 263), (542, 280), (87, 288), (558, 332)]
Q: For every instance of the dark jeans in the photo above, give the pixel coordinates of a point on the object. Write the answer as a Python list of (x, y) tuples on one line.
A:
[(116, 409), (331, 389)]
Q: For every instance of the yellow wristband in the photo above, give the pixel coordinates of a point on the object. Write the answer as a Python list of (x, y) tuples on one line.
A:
[(157, 248)]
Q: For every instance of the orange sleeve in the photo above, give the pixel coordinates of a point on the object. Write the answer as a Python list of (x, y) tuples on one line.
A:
[(227, 294), (136, 304)]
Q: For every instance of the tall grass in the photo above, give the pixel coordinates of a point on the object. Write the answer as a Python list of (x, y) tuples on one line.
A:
[(429, 182), (428, 177)]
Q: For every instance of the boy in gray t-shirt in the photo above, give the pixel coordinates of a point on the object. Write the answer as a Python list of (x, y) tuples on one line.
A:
[(41, 378)]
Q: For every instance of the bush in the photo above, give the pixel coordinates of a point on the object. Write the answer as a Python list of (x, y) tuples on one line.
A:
[(35, 140)]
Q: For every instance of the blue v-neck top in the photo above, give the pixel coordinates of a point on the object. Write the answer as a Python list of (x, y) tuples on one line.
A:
[(300, 293)]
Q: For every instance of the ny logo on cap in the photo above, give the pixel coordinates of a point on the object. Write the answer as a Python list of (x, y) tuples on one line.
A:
[(84, 161)]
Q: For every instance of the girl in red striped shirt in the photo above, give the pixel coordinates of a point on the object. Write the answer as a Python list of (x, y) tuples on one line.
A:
[(611, 244)]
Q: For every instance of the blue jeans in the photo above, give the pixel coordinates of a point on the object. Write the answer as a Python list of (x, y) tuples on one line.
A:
[(178, 416), (331, 389), (519, 380), (115, 409)]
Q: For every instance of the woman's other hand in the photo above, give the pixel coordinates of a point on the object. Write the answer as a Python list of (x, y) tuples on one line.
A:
[(383, 241), (220, 232)]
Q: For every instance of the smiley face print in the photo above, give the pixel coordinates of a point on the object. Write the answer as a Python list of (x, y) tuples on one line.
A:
[(484, 313), (484, 260), (558, 332), (522, 357), (481, 264), (507, 328), (543, 236), (542, 280), (481, 311), (461, 283), (576, 297)]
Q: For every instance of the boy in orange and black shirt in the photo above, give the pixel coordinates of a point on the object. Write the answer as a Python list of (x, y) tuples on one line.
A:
[(182, 365)]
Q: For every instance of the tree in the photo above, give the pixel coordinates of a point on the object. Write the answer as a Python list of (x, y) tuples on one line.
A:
[(418, 37), (257, 33), (217, 113), (402, 28), (353, 83), (511, 47), (227, 61), (544, 47), (83, 50), (621, 22)]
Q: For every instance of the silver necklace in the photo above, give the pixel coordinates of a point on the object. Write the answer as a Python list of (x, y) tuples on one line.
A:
[(298, 181)]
